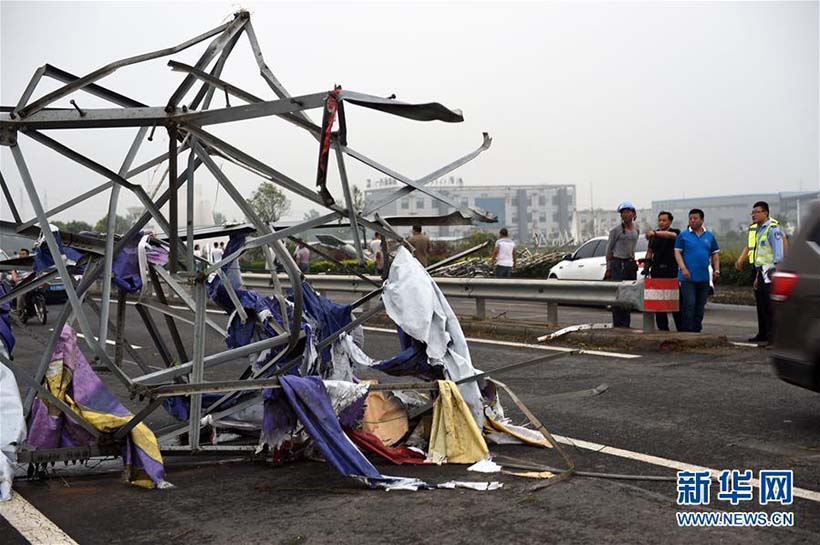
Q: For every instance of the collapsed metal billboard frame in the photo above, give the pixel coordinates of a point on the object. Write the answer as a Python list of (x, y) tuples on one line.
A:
[(186, 276)]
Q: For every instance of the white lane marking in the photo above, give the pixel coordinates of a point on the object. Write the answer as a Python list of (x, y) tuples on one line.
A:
[(109, 341), (750, 345), (31, 523), (666, 462), (532, 346), (138, 365), (176, 307)]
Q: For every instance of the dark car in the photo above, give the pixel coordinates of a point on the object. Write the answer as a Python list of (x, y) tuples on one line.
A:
[(796, 300), (55, 292)]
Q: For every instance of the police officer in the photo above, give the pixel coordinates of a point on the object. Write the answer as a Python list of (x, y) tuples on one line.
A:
[(764, 251)]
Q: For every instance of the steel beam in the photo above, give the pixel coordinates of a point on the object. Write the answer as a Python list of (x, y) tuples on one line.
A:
[(68, 204), (183, 295), (103, 171), (165, 375), (173, 205), (108, 259), (169, 321), (351, 209), (111, 68), (32, 85), (156, 336), (234, 28), (197, 364), (485, 145), (73, 298), (6, 193)]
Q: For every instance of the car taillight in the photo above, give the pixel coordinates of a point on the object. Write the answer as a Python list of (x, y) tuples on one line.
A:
[(782, 285)]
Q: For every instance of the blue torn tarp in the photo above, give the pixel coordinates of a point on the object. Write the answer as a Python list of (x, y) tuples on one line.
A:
[(330, 317), (309, 399), (412, 360), (42, 254), (128, 271), (6, 336)]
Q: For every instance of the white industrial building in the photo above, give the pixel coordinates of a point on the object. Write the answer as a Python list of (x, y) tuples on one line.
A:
[(545, 213)]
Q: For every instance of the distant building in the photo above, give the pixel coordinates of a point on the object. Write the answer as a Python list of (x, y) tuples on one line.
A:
[(731, 213), (599, 222), (530, 212)]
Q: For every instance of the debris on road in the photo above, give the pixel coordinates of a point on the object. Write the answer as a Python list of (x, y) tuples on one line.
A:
[(481, 267), (298, 357)]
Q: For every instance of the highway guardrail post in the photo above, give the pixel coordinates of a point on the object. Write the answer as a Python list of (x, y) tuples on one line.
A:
[(480, 308)]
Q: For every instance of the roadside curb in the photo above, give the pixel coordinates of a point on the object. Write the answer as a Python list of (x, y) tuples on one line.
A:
[(605, 339)]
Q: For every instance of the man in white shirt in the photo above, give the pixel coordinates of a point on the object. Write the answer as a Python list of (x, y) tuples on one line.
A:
[(503, 257), (216, 253)]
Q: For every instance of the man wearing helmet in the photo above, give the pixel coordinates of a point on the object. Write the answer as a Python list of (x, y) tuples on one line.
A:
[(620, 256)]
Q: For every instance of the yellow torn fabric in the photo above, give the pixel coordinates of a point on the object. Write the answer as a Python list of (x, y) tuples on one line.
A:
[(455, 437), (525, 435), (531, 474), (59, 377)]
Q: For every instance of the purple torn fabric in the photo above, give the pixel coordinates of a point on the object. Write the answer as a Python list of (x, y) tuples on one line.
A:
[(50, 428), (352, 415), (6, 336), (126, 266)]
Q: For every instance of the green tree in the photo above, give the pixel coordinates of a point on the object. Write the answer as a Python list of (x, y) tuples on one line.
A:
[(74, 226), (121, 225), (219, 218), (358, 198), (312, 213), (269, 202)]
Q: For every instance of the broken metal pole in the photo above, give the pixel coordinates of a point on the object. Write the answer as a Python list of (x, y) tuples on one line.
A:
[(173, 211)]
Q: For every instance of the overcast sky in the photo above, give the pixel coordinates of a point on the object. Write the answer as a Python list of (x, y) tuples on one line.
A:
[(635, 101)]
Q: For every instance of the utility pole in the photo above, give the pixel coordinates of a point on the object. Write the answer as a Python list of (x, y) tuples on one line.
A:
[(592, 209)]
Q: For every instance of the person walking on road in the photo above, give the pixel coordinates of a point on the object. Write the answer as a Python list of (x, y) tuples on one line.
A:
[(421, 243), (197, 257), (661, 263), (503, 258), (378, 255), (694, 249), (16, 278), (302, 257), (620, 256), (764, 250)]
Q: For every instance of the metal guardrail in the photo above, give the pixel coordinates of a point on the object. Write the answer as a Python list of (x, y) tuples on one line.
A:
[(551, 292)]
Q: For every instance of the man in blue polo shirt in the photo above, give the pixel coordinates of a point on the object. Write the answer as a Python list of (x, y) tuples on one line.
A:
[(694, 249)]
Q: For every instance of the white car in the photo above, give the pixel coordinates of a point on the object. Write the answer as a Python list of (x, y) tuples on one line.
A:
[(589, 261)]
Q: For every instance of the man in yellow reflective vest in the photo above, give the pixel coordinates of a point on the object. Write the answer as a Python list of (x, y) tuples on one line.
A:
[(764, 251)]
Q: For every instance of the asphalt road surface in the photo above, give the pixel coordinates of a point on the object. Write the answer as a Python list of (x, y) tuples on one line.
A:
[(721, 409)]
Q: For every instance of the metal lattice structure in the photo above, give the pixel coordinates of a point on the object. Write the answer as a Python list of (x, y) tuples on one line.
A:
[(187, 124)]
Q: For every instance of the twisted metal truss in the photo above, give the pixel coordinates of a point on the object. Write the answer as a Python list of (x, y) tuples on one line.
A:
[(187, 124)]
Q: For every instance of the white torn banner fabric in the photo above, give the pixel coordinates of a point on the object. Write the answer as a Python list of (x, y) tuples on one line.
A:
[(481, 486), (415, 303), (12, 427), (485, 466), (344, 394), (346, 355)]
